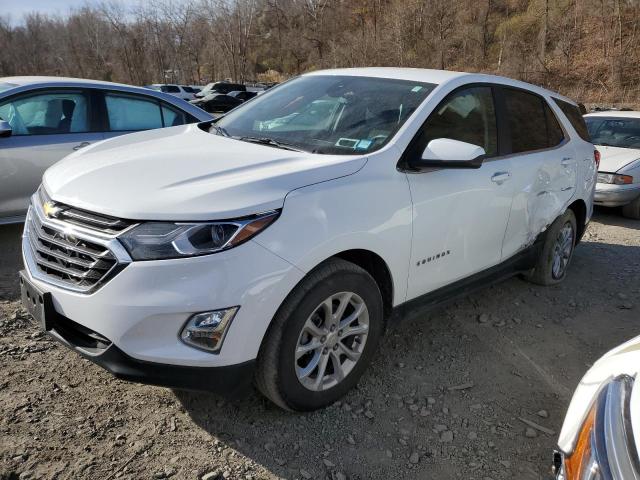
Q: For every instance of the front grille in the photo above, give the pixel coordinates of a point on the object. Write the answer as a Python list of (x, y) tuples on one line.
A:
[(82, 218), (65, 259)]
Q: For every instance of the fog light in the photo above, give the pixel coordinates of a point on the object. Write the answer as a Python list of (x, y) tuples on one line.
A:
[(206, 330)]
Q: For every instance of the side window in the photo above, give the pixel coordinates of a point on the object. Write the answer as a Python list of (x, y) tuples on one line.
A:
[(526, 119), (555, 135), (130, 113), (47, 113), (466, 115), (574, 115), (172, 117)]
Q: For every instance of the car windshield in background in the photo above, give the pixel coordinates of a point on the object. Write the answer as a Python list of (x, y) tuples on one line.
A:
[(327, 114), (7, 86), (614, 132)]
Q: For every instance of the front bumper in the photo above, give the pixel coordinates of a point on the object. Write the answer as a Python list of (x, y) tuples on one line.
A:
[(141, 309), (231, 381), (608, 195)]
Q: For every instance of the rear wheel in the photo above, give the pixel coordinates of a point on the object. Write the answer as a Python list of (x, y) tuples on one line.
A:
[(322, 337), (557, 251), (632, 210)]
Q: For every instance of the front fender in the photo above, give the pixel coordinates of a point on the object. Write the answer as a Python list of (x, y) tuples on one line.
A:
[(369, 210)]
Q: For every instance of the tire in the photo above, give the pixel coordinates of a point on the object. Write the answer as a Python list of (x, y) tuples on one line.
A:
[(278, 368), (544, 272), (632, 210)]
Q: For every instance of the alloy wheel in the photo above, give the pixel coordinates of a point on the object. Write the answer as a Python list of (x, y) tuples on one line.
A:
[(331, 341), (562, 250)]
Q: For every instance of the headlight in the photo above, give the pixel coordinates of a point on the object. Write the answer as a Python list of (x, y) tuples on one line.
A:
[(605, 449), (615, 178), (160, 240)]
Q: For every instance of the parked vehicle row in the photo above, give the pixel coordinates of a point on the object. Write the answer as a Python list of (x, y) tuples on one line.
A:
[(181, 91), (222, 103), (215, 97), (220, 87), (275, 242), (43, 119)]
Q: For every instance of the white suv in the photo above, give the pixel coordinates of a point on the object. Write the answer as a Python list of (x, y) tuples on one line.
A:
[(274, 244)]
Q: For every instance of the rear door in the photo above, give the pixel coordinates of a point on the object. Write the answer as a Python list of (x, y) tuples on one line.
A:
[(47, 125), (122, 113), (544, 166), (583, 148)]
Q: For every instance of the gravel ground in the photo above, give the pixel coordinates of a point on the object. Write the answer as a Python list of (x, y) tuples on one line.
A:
[(446, 398)]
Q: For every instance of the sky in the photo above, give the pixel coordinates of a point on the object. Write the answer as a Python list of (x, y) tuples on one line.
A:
[(17, 8)]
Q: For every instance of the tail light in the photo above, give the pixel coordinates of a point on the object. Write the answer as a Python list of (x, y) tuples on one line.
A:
[(596, 158)]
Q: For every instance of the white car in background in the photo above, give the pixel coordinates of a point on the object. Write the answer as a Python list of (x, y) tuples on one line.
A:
[(600, 437), (176, 90), (274, 242), (616, 135)]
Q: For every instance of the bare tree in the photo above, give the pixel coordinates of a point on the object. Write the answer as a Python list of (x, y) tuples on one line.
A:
[(588, 48)]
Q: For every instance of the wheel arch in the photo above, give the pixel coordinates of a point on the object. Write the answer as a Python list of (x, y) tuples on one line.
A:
[(375, 265), (579, 209)]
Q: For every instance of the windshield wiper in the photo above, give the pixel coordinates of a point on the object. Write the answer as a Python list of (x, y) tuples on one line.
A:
[(220, 130), (272, 142)]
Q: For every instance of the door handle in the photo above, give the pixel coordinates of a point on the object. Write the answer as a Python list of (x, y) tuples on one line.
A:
[(500, 177), (566, 161), (81, 145)]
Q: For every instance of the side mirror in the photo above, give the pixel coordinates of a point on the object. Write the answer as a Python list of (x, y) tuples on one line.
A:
[(5, 129), (448, 153)]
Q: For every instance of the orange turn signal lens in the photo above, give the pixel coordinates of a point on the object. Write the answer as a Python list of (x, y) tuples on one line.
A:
[(622, 179), (254, 227), (579, 460)]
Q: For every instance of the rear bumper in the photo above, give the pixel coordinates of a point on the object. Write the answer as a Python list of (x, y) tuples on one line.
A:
[(608, 195)]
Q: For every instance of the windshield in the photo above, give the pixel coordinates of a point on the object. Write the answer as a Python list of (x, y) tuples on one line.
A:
[(328, 114), (614, 132)]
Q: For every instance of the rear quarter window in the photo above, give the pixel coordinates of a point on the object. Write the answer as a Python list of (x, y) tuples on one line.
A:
[(555, 133), (572, 112)]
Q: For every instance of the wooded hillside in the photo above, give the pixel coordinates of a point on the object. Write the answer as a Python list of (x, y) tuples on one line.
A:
[(587, 49)]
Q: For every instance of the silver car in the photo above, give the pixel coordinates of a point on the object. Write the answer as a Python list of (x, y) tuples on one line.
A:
[(616, 135), (43, 119)]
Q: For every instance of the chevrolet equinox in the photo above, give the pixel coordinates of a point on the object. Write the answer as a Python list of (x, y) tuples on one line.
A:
[(271, 245)]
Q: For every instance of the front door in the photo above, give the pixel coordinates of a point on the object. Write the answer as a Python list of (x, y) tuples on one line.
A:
[(459, 215)]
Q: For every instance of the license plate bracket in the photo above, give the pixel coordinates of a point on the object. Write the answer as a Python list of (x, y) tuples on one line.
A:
[(38, 303)]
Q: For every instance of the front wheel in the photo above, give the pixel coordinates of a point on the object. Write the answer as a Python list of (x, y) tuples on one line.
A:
[(560, 240), (322, 337)]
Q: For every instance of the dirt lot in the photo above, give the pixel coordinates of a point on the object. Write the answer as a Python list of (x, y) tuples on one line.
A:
[(444, 399)]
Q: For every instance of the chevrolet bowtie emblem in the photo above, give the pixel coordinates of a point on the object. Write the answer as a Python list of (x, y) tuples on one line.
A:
[(50, 209)]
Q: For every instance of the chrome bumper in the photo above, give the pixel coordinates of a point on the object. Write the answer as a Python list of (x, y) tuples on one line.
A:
[(608, 195)]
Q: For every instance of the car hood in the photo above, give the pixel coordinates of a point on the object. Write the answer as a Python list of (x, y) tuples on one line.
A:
[(613, 159), (184, 173), (622, 360)]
